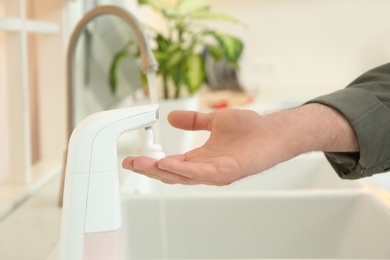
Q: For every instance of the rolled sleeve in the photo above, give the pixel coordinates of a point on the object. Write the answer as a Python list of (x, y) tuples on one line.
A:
[(366, 105)]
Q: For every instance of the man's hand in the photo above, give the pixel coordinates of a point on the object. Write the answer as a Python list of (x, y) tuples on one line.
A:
[(243, 143)]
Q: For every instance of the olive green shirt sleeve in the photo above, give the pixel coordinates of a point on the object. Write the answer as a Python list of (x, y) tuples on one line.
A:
[(366, 105)]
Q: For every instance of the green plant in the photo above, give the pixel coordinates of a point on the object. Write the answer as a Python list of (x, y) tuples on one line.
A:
[(180, 53)]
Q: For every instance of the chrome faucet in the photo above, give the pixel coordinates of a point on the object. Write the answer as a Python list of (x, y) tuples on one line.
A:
[(148, 61)]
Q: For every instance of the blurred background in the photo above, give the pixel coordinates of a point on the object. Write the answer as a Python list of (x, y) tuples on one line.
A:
[(309, 47), (293, 51)]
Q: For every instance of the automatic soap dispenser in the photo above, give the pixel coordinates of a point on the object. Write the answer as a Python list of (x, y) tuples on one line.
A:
[(91, 197)]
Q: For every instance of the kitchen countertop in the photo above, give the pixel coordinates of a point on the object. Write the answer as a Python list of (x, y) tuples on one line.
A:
[(31, 231)]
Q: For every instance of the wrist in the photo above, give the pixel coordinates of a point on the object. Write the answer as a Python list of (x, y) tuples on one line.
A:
[(315, 127)]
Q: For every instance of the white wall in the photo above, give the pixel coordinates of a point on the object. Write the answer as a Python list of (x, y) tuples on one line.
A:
[(306, 46)]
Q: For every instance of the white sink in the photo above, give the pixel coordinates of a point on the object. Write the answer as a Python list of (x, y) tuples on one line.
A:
[(298, 210), (252, 225)]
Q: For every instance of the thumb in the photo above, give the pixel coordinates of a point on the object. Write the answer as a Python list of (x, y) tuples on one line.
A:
[(189, 120)]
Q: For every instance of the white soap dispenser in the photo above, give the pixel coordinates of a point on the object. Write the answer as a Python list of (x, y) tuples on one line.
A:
[(91, 195)]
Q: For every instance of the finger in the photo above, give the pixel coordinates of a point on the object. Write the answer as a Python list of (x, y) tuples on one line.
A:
[(205, 173), (148, 167), (194, 171), (155, 177), (189, 120), (128, 162)]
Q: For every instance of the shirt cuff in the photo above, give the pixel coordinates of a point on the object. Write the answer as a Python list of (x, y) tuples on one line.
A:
[(370, 119)]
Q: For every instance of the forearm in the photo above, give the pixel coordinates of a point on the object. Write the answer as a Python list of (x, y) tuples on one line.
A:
[(366, 105), (315, 127)]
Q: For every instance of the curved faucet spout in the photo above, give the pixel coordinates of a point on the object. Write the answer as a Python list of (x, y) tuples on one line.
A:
[(148, 61)]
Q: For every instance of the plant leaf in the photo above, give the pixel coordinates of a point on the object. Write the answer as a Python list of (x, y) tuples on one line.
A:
[(215, 51), (162, 42), (168, 56), (161, 58), (174, 59), (232, 46), (178, 76), (113, 81), (188, 7), (173, 47), (167, 10), (158, 5), (195, 74)]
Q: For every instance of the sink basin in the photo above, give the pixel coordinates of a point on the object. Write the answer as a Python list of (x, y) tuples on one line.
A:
[(298, 210), (252, 225)]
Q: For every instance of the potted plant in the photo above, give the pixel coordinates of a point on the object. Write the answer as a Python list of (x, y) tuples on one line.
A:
[(181, 51), (181, 57)]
